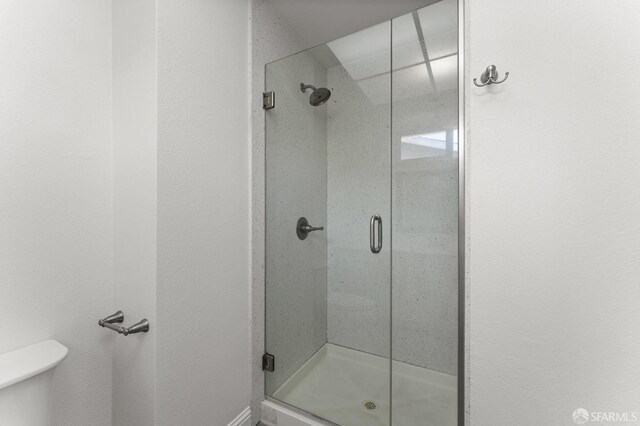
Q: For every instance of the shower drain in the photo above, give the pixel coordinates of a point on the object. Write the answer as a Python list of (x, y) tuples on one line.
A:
[(369, 405)]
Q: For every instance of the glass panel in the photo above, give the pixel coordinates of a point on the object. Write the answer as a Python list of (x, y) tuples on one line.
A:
[(425, 217), (296, 186), (328, 295)]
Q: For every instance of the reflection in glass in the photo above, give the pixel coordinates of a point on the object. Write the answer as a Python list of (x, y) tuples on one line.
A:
[(425, 218), (435, 144)]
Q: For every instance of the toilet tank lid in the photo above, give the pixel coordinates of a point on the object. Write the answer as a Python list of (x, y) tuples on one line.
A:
[(21, 364)]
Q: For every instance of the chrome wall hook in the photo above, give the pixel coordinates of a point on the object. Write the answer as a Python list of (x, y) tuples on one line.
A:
[(490, 76)]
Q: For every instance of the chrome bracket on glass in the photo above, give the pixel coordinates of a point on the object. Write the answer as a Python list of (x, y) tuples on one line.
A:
[(111, 321), (268, 362), (303, 228), (268, 100), (375, 247)]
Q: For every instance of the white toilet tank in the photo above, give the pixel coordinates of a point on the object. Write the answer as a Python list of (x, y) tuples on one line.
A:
[(26, 378)]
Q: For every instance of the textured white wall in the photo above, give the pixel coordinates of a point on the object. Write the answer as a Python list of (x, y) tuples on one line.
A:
[(202, 326), (421, 273), (56, 193), (359, 186), (319, 22), (425, 202), (424, 278), (296, 186), (135, 203), (554, 208)]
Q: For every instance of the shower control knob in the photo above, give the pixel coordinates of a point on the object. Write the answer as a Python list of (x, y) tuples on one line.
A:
[(303, 228)]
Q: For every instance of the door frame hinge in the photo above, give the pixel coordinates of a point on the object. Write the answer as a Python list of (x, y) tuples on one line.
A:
[(268, 362), (268, 100)]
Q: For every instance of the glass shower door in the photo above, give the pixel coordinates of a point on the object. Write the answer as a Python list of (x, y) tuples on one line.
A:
[(328, 204), (362, 162), (425, 216)]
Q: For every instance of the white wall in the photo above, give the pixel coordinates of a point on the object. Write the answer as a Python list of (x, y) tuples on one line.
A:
[(56, 193), (319, 22), (135, 206), (554, 208), (202, 325)]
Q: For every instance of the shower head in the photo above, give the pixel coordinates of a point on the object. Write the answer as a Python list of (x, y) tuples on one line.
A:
[(318, 96)]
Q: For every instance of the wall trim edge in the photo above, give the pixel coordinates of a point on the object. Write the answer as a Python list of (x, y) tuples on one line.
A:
[(243, 419)]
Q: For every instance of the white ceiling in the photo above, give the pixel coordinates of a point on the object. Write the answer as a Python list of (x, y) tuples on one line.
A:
[(320, 21)]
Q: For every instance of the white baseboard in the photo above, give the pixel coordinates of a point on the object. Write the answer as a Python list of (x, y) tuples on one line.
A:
[(243, 419), (274, 414)]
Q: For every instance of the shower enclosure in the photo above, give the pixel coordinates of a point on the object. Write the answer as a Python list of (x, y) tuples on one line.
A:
[(362, 225)]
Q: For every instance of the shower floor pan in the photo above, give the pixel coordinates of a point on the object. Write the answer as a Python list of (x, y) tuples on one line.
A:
[(351, 388)]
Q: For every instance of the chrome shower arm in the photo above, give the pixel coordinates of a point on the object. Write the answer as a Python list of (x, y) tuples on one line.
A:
[(304, 87)]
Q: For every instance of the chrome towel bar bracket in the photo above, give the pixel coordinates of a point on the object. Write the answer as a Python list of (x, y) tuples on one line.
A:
[(111, 321), (490, 76), (118, 317)]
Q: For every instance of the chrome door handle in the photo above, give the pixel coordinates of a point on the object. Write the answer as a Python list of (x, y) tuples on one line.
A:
[(375, 248)]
